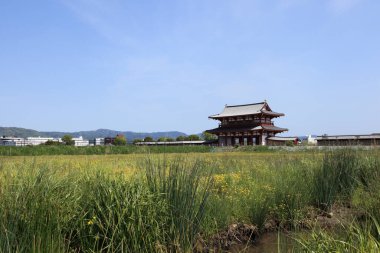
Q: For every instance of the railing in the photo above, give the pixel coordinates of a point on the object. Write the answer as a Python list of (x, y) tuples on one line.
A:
[(245, 123)]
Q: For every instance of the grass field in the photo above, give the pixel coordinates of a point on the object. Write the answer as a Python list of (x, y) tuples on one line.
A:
[(97, 150), (171, 202)]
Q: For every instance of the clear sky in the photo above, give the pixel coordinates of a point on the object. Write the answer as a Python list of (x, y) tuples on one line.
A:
[(163, 65)]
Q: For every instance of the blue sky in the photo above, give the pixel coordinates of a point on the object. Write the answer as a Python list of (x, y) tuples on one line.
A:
[(163, 65)]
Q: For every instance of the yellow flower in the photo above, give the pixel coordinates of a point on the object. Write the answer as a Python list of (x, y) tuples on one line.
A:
[(91, 221)]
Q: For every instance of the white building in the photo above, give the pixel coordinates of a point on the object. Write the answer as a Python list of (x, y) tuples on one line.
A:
[(34, 141), (99, 142), (311, 140), (80, 142), (29, 141), (12, 141)]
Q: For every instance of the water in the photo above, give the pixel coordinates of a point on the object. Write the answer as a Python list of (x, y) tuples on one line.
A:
[(268, 243)]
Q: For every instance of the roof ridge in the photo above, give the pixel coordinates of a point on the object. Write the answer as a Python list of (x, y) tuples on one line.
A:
[(245, 104)]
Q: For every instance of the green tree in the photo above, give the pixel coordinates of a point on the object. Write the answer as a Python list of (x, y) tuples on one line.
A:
[(120, 140), (148, 139), (51, 143), (137, 140), (193, 137), (180, 138), (162, 139), (68, 140), (169, 139), (209, 137), (289, 143)]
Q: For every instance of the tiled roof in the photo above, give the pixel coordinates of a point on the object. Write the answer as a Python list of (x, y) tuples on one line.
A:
[(273, 128), (247, 109), (246, 129)]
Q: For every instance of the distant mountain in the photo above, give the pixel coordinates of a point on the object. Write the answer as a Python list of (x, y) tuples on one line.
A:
[(100, 133), (18, 132)]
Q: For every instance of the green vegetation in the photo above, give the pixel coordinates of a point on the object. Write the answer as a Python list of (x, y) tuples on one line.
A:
[(148, 139), (164, 139), (355, 238), (209, 137), (45, 209), (97, 150), (120, 140), (181, 138), (137, 140), (176, 202), (68, 140), (51, 143), (193, 137)]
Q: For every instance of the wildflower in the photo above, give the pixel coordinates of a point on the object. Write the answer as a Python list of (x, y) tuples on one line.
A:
[(91, 221)]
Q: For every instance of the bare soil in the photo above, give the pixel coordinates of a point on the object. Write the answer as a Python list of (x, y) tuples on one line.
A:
[(242, 237)]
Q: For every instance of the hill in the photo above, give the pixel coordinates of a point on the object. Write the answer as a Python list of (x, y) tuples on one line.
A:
[(100, 133)]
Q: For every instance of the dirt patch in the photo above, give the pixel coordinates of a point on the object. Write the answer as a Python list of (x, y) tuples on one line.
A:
[(340, 214), (235, 234), (242, 237)]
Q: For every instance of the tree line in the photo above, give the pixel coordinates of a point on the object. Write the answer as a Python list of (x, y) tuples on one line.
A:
[(193, 137), (120, 140)]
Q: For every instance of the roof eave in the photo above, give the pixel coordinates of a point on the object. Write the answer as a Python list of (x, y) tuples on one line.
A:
[(214, 116), (236, 115)]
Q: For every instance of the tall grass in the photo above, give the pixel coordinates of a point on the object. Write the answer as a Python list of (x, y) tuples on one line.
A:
[(35, 205), (182, 186), (44, 208), (354, 237), (119, 216), (336, 177)]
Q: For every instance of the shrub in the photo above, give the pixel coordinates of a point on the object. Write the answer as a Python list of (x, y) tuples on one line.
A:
[(137, 140), (161, 139), (181, 138), (148, 139), (120, 140), (68, 140)]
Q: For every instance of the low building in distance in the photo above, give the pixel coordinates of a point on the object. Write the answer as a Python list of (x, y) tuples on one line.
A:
[(35, 141), (174, 143), (80, 142), (12, 141), (248, 124), (29, 141), (282, 141), (349, 140), (99, 141)]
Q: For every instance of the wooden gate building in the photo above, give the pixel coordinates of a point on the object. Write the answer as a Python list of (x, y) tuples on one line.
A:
[(249, 124)]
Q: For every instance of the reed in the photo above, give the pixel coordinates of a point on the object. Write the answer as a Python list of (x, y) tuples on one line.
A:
[(181, 185), (337, 176)]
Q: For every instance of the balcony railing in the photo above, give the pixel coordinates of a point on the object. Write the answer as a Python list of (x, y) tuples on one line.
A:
[(245, 123)]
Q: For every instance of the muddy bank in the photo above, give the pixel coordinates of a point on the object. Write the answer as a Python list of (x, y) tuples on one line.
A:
[(274, 237), (235, 235), (245, 238)]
